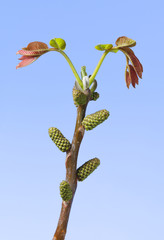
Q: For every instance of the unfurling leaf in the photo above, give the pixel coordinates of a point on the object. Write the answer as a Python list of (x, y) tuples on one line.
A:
[(58, 43), (133, 75), (104, 47), (125, 42), (31, 53), (132, 72), (127, 78), (36, 46), (134, 60), (61, 43), (53, 43)]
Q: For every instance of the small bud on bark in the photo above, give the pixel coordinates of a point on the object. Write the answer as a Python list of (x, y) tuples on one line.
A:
[(79, 98)]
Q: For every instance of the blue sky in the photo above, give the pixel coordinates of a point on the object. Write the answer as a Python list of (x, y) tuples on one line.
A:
[(123, 199)]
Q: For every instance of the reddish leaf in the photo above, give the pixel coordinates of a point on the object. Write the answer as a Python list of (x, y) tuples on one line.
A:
[(134, 60), (127, 78), (26, 57), (36, 46), (30, 53), (26, 60), (125, 42), (133, 75)]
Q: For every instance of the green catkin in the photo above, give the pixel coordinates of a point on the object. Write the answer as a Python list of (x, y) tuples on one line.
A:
[(79, 98), (93, 120), (65, 191), (87, 168), (57, 137)]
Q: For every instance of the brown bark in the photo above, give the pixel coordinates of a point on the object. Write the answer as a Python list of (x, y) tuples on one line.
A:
[(71, 165)]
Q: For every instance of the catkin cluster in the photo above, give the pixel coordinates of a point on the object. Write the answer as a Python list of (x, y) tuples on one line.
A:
[(89, 122)]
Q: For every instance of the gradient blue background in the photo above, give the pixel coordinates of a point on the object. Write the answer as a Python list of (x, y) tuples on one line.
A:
[(124, 197)]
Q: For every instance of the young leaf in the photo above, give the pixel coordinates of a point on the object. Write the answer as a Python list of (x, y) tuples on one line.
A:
[(61, 43), (133, 75), (36, 46), (53, 43), (134, 60), (103, 47), (58, 43), (125, 42), (127, 78)]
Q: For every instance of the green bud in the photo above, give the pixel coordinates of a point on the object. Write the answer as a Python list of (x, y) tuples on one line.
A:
[(104, 47), (65, 191), (87, 168), (95, 96), (83, 72), (79, 98), (58, 43), (93, 120), (53, 43), (57, 137)]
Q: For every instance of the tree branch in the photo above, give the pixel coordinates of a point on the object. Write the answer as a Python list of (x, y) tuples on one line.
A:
[(71, 166)]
